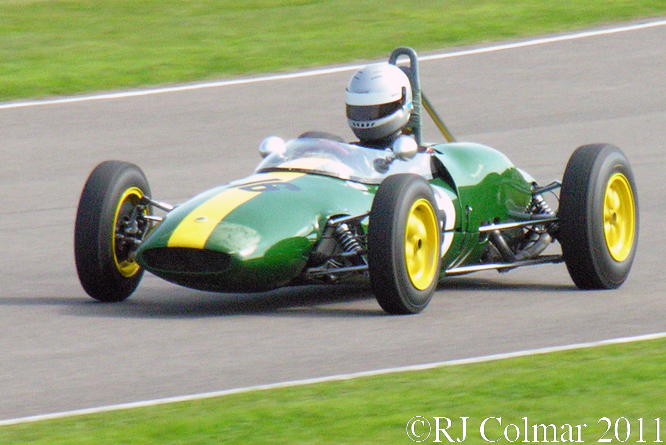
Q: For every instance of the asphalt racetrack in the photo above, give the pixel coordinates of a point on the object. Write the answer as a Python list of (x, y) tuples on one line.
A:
[(63, 351)]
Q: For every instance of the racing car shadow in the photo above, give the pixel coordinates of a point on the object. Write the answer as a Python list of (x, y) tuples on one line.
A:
[(305, 301), (354, 300), (494, 285)]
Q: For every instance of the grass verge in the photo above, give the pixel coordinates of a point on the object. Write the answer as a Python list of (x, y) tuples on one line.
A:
[(580, 387), (52, 47)]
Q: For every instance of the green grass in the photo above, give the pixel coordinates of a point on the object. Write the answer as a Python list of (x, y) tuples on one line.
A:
[(51, 47), (574, 387), (73, 46)]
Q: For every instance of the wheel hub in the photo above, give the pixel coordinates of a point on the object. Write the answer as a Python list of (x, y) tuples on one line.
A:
[(126, 232), (619, 217), (421, 241)]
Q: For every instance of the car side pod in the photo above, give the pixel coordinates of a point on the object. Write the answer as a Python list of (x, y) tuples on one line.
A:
[(598, 217)]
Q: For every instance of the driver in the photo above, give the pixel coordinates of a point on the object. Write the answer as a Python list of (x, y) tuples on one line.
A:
[(379, 104)]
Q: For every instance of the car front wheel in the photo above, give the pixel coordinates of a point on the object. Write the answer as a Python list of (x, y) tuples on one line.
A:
[(109, 226)]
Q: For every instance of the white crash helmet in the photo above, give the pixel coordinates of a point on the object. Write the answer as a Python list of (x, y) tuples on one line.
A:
[(379, 101)]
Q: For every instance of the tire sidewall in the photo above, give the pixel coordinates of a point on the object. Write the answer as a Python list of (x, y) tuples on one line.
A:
[(609, 162), (390, 278), (584, 246), (95, 230), (415, 297), (126, 180)]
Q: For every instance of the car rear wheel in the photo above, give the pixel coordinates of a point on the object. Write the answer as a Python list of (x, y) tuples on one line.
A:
[(598, 217), (108, 229), (404, 243)]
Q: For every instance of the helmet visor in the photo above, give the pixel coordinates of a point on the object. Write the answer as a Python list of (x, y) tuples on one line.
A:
[(373, 112)]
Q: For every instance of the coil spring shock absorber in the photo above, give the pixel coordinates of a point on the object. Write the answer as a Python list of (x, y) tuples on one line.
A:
[(346, 238), (537, 240), (540, 206)]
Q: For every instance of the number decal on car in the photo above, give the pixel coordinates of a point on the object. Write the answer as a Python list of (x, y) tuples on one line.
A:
[(269, 185), (445, 205)]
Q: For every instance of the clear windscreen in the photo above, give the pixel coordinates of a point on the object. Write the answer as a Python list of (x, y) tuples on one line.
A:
[(340, 160)]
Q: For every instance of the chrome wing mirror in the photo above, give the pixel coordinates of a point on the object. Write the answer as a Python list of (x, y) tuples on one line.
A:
[(270, 145), (404, 148)]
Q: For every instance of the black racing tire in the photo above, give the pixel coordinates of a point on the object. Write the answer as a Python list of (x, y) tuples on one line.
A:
[(404, 244), (107, 271), (598, 217), (321, 135)]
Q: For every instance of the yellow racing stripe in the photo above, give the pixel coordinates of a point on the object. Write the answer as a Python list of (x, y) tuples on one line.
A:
[(196, 228)]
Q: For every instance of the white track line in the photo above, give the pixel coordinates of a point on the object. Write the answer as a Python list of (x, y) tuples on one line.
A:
[(488, 358), (334, 378), (224, 83)]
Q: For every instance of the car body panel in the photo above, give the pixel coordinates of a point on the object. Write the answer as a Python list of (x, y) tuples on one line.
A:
[(267, 224), (258, 233), (488, 189)]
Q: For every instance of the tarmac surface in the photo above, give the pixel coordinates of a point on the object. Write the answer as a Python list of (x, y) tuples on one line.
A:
[(63, 351)]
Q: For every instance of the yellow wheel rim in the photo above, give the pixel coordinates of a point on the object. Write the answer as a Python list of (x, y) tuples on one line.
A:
[(126, 266), (421, 244), (619, 217)]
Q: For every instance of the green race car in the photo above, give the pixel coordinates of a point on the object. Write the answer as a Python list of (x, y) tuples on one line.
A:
[(320, 210)]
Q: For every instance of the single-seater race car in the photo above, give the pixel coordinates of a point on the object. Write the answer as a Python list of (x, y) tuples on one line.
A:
[(319, 210)]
